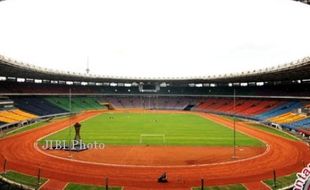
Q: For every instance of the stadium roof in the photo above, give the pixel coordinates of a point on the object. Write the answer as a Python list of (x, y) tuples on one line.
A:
[(297, 70), (304, 1)]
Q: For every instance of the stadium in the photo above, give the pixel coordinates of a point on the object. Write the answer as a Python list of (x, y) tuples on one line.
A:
[(70, 130)]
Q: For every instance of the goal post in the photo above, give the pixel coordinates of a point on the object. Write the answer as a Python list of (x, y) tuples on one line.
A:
[(153, 136)]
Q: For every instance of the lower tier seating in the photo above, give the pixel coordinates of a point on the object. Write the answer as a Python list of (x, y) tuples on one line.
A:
[(15, 115)]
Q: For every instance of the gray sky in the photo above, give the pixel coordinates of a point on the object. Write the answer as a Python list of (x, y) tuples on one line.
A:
[(155, 38)]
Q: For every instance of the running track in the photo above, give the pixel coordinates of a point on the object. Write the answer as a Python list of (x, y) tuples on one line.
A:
[(284, 156)]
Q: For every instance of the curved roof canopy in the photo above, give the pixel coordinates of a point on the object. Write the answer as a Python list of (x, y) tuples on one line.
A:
[(296, 70)]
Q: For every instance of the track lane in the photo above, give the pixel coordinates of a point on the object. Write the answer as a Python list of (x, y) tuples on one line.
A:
[(284, 155)]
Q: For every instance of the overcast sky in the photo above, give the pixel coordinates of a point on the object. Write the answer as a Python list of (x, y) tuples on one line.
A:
[(155, 38)]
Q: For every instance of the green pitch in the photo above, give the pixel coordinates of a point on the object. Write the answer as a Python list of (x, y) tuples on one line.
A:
[(177, 129)]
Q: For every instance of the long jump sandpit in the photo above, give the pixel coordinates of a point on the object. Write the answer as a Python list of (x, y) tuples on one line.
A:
[(283, 155)]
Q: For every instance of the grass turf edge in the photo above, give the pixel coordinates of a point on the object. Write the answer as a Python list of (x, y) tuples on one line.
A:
[(268, 129), (23, 179), (222, 187), (29, 127), (281, 182), (274, 131), (74, 186)]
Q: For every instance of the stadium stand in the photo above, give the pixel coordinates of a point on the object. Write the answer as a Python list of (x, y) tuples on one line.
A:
[(243, 107), (30, 107), (301, 123), (22, 113), (6, 119), (15, 115), (77, 103), (287, 118), (261, 106), (279, 110), (37, 105), (149, 102), (266, 110)]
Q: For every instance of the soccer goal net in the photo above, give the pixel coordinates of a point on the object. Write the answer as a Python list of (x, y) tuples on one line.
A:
[(152, 138)]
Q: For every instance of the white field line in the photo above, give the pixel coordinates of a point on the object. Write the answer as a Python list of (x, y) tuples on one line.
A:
[(265, 185), (43, 184), (65, 186)]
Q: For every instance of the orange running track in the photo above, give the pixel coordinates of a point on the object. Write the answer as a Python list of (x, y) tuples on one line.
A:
[(285, 156)]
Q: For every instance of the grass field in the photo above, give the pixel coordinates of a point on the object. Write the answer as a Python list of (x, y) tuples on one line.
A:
[(268, 129), (73, 186), (24, 179), (224, 187), (26, 128), (281, 182), (179, 129), (275, 131), (14, 131)]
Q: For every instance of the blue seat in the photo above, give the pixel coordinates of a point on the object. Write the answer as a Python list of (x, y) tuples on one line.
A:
[(279, 110)]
